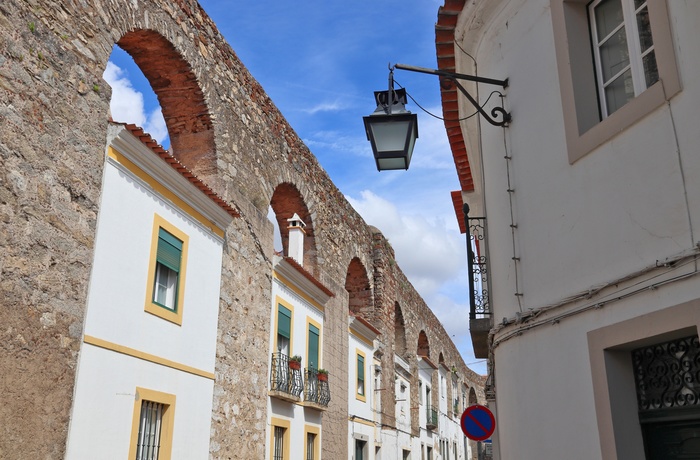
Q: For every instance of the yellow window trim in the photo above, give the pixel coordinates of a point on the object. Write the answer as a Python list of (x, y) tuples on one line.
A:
[(310, 321), (358, 396), (286, 443), (147, 357), (279, 301), (158, 187), (362, 421), (298, 291), (152, 307), (312, 429), (166, 435)]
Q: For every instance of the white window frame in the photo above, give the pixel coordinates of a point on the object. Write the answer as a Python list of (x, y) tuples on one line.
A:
[(635, 53), (584, 129)]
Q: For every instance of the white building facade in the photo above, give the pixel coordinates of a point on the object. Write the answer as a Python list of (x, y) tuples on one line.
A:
[(146, 369), (299, 388), (591, 201)]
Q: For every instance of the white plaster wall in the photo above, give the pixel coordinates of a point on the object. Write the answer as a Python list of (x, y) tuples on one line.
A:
[(104, 404), (363, 432), (120, 277), (608, 214), (295, 413), (618, 209)]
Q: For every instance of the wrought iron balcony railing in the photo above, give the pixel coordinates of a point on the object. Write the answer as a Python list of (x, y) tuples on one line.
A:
[(477, 264), (285, 377), (431, 418), (316, 388)]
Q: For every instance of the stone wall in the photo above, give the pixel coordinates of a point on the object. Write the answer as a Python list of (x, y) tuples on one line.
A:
[(54, 108)]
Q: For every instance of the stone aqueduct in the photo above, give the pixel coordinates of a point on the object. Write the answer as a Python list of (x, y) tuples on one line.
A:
[(54, 110)]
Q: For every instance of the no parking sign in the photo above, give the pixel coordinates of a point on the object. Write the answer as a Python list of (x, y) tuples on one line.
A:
[(478, 422)]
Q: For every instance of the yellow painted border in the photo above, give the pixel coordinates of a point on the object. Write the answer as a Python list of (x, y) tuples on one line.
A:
[(361, 338), (316, 430), (280, 301), (286, 443), (362, 421), (298, 291), (162, 190), (167, 422), (146, 357), (152, 307), (358, 396), (309, 322)]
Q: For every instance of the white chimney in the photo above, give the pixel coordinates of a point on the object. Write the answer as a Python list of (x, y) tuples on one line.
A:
[(296, 238)]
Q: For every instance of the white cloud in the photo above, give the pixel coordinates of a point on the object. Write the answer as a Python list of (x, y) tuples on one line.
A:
[(127, 104), (325, 107), (427, 251)]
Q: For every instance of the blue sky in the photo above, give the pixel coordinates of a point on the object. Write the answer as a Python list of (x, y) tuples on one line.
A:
[(320, 62)]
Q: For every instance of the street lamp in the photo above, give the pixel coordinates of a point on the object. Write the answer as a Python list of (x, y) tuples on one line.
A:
[(391, 129)]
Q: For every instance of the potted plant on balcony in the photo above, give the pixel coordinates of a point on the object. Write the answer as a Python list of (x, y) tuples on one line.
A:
[(322, 375), (295, 362)]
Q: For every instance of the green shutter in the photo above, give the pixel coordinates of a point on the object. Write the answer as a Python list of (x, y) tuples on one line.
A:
[(169, 250), (313, 347), (360, 368), (284, 322)]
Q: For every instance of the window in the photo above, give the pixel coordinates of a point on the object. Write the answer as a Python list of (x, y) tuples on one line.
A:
[(360, 449), (152, 425), (420, 392), (631, 66), (406, 454), (279, 449), (667, 380), (165, 292), (623, 49), (631, 416), (360, 376), (430, 453), (312, 449), (284, 329), (312, 352)]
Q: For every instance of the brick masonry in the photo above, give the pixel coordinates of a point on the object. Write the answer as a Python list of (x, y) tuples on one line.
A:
[(54, 109)]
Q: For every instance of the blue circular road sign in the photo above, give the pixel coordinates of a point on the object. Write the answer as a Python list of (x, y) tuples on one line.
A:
[(478, 422)]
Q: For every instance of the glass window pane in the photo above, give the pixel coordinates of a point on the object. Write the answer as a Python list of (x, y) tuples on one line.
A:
[(651, 71), (608, 15), (619, 92), (644, 28), (614, 55), (165, 288), (639, 3)]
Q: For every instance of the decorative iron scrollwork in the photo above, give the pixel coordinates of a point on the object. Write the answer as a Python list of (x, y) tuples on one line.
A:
[(668, 374)]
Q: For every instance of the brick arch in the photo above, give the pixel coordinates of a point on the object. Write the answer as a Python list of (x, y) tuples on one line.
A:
[(399, 331), (285, 202), (359, 291), (472, 396), (180, 96), (423, 348)]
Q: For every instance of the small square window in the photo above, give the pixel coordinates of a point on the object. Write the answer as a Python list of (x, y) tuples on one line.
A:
[(166, 275), (152, 425), (360, 368)]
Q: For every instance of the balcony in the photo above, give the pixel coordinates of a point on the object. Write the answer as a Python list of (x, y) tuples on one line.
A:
[(285, 379), (317, 392), (480, 307), (431, 417)]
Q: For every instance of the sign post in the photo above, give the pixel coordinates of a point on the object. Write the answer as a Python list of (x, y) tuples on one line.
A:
[(478, 423)]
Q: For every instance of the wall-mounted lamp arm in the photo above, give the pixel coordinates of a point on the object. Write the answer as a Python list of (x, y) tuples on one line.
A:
[(496, 112), (454, 76)]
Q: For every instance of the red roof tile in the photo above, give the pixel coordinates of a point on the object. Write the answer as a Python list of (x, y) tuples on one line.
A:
[(156, 148)]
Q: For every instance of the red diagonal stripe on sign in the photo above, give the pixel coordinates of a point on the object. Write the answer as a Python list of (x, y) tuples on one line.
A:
[(473, 419)]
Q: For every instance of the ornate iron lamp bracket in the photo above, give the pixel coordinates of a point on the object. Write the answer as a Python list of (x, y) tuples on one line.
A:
[(496, 112)]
